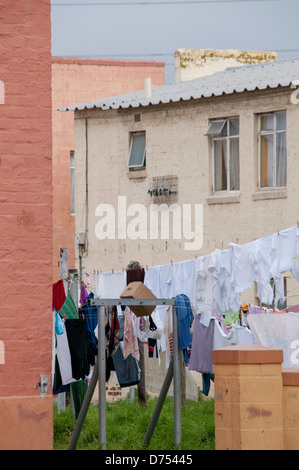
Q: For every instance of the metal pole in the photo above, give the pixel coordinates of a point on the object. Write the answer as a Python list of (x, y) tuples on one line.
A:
[(102, 377), (74, 286), (159, 405), (80, 266), (177, 380), (84, 407)]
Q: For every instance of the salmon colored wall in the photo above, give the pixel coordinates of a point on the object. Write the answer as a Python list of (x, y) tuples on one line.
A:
[(290, 377), (25, 222), (76, 81)]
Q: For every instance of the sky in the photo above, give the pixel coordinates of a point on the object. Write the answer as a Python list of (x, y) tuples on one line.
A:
[(154, 30)]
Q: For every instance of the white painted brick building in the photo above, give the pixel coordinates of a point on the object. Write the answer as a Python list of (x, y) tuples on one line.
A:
[(254, 196), (174, 121)]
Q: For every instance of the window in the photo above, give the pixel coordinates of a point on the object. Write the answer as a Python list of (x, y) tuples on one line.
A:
[(72, 168), (281, 305), (272, 150), (137, 151), (225, 153)]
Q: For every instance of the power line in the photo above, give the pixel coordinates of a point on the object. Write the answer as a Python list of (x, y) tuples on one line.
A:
[(177, 2)]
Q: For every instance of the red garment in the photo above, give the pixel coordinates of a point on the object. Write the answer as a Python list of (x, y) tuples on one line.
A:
[(135, 274), (58, 295)]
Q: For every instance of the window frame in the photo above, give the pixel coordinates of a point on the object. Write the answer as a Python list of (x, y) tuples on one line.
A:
[(274, 133), (143, 165), (216, 137), (280, 305)]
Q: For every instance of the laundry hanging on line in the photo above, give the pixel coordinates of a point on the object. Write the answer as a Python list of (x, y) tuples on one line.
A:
[(213, 282)]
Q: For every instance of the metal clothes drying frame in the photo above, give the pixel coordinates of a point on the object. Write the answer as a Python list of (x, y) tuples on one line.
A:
[(99, 375)]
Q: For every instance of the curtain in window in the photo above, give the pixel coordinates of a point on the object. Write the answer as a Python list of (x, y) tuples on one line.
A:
[(281, 166), (220, 165), (267, 160), (234, 165)]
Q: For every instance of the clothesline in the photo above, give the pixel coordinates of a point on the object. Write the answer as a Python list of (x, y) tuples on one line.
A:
[(212, 283), (217, 280), (266, 311), (146, 267)]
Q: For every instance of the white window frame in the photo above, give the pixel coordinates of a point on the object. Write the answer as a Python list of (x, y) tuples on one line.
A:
[(142, 165), (273, 132), (216, 136)]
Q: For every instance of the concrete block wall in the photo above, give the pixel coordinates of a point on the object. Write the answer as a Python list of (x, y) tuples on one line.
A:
[(176, 145), (26, 225), (290, 379), (248, 398), (156, 371), (256, 400), (194, 63)]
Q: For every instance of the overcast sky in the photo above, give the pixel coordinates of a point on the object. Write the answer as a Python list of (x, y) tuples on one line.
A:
[(153, 30)]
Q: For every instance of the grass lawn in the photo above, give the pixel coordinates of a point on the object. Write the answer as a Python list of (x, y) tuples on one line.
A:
[(127, 423)]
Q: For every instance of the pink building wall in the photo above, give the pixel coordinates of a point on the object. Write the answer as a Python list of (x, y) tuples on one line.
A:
[(25, 224), (77, 81)]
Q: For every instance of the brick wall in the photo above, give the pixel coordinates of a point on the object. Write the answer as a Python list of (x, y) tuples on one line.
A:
[(25, 222), (176, 145), (76, 80), (256, 400)]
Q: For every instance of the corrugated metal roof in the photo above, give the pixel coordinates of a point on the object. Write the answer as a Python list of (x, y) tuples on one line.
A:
[(238, 79)]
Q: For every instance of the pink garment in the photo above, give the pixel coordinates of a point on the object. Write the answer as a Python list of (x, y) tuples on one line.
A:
[(220, 319), (83, 295), (130, 342), (254, 309)]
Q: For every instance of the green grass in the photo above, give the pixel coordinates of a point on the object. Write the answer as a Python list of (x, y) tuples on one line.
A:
[(127, 424)]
